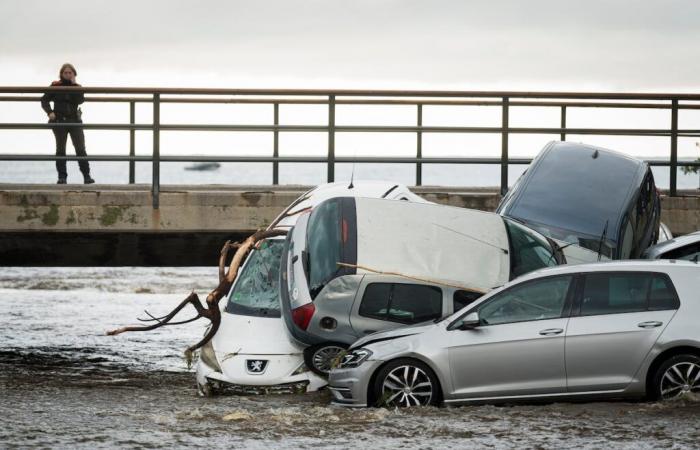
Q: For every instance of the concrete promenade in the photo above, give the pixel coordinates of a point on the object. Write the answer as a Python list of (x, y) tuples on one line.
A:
[(116, 224)]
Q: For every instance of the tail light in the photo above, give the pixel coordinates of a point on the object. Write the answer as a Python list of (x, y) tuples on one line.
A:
[(302, 315)]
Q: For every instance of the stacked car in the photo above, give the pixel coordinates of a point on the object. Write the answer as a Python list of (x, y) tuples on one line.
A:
[(409, 303)]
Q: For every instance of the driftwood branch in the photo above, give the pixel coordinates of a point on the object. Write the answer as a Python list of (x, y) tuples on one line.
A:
[(410, 277), (210, 310)]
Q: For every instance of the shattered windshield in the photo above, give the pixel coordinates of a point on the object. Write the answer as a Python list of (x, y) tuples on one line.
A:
[(528, 250), (256, 291)]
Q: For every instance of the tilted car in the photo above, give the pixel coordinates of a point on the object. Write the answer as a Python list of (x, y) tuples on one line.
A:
[(327, 305), (596, 198), (606, 330), (685, 247), (251, 350)]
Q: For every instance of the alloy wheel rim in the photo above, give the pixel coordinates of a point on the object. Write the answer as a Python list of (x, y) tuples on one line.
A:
[(680, 379), (407, 386), (324, 357)]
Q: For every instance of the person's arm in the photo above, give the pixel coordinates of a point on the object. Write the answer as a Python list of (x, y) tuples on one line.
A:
[(78, 97), (46, 100)]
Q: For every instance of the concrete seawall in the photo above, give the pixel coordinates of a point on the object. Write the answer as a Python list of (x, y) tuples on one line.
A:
[(116, 224)]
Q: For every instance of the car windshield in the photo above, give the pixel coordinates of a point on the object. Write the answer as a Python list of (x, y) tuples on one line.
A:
[(257, 289), (323, 245), (594, 243), (528, 250)]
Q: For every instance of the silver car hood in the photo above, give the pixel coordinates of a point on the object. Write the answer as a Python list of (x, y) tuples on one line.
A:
[(393, 334)]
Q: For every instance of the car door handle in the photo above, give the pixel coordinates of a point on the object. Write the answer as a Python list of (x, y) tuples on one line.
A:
[(551, 331), (650, 324)]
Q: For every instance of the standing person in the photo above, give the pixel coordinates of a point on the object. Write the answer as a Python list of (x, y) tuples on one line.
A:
[(65, 110)]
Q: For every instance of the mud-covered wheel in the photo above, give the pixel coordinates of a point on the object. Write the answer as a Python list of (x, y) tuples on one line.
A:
[(320, 357), (677, 376), (406, 383)]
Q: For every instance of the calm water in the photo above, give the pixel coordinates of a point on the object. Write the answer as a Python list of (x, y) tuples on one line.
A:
[(64, 384)]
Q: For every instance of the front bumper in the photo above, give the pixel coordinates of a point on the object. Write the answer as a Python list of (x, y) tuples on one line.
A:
[(350, 387), (278, 377)]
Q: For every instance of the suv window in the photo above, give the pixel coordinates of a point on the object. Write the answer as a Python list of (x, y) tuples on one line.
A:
[(617, 293), (535, 300), (461, 298), (403, 303)]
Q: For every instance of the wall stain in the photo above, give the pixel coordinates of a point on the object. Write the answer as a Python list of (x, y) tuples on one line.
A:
[(112, 214), (71, 219), (50, 218)]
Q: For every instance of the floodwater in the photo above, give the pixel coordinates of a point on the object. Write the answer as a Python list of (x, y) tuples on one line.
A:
[(63, 383)]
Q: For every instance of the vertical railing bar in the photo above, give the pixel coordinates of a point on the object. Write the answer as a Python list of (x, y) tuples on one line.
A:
[(331, 138), (419, 146), (674, 147), (504, 146), (276, 146), (132, 142), (562, 123), (155, 187)]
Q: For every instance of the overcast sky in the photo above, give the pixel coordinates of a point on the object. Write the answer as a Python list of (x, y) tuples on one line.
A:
[(456, 44)]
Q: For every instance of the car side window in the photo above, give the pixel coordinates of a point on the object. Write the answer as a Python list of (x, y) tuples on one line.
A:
[(461, 299), (689, 253), (536, 300), (403, 303), (662, 295), (615, 293)]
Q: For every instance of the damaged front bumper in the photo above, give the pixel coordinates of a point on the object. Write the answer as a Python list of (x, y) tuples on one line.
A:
[(350, 386), (257, 374)]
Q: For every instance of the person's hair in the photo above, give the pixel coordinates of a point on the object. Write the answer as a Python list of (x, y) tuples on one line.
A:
[(67, 66)]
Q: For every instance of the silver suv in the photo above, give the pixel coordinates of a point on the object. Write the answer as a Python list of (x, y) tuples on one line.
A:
[(617, 329)]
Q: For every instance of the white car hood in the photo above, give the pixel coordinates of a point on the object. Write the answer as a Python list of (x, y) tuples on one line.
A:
[(239, 334)]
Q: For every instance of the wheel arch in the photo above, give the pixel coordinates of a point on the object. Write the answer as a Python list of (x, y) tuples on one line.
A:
[(664, 356), (370, 385)]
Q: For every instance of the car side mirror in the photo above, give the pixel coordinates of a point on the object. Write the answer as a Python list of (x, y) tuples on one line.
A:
[(470, 321)]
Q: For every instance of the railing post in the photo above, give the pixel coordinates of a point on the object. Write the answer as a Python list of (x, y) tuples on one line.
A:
[(504, 146), (276, 146), (132, 142), (419, 146), (562, 136), (331, 138), (674, 146), (155, 188)]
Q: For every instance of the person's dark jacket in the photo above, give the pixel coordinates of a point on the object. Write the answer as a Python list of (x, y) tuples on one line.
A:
[(65, 104)]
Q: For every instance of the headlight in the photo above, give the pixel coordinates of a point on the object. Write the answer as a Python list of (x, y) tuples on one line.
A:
[(355, 358), (208, 356)]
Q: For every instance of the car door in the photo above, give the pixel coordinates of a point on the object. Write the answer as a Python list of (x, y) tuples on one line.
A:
[(617, 318), (518, 348), (385, 305)]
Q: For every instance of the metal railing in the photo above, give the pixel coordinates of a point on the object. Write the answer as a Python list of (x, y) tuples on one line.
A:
[(332, 99)]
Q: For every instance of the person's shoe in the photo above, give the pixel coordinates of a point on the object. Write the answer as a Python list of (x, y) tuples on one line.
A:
[(61, 180), (88, 179)]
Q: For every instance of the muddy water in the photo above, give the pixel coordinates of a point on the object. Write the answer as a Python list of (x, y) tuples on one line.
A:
[(64, 384)]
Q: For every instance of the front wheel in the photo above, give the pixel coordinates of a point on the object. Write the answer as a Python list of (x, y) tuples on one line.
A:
[(677, 376), (406, 383), (320, 357)]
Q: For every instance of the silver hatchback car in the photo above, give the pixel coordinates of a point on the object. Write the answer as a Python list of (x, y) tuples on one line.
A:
[(615, 329)]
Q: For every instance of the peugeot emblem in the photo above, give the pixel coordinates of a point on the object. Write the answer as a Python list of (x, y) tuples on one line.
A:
[(255, 366)]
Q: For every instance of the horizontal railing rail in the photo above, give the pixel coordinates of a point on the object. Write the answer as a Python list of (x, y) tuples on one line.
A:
[(504, 100)]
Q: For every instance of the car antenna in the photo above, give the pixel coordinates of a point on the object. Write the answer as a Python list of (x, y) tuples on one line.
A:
[(352, 174), (595, 154), (602, 238)]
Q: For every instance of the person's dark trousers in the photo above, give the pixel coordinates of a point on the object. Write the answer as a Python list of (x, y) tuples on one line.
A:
[(77, 137)]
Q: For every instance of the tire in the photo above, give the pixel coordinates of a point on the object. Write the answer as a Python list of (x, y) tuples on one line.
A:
[(677, 376), (402, 383), (319, 358)]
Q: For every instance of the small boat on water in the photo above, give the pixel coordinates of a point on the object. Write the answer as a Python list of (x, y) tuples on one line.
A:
[(204, 166)]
